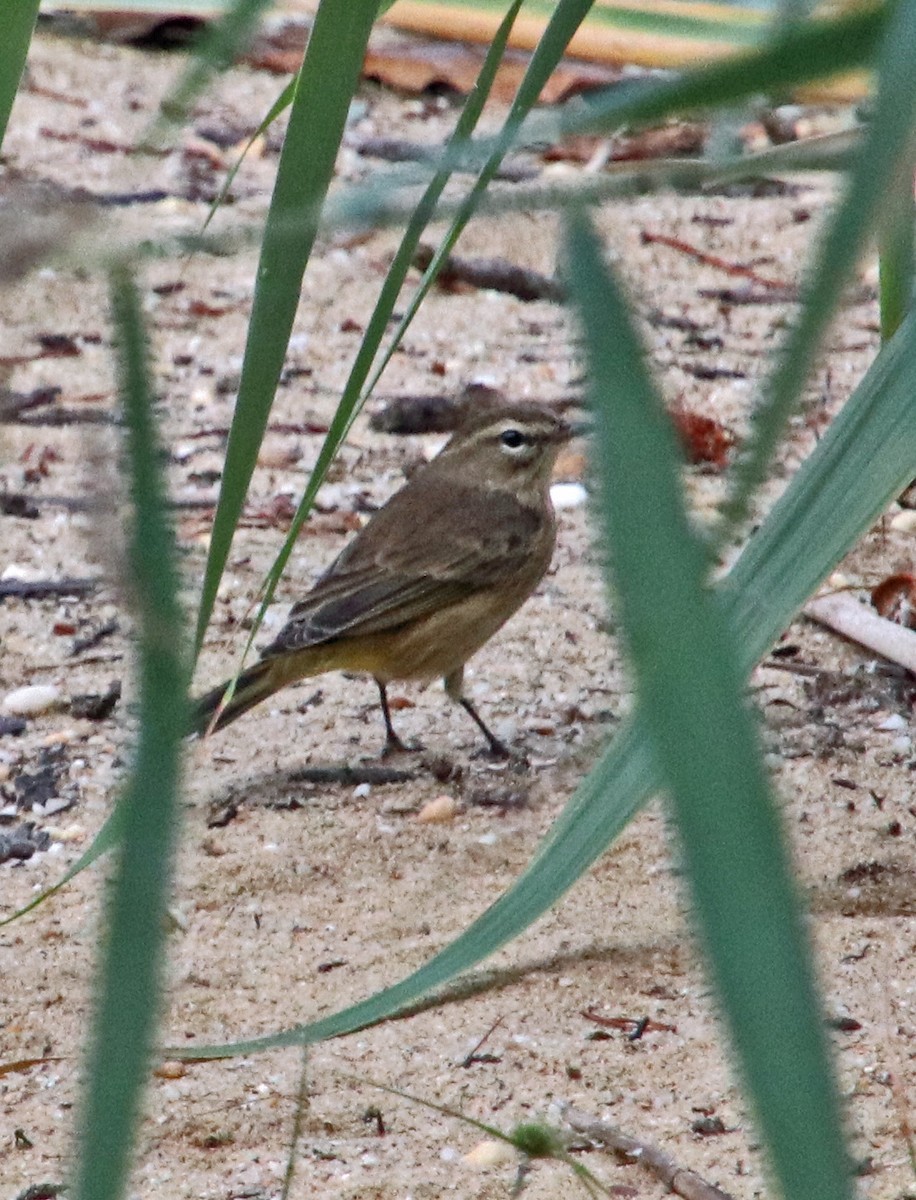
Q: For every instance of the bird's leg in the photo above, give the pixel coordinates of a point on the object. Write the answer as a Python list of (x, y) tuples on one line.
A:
[(393, 744), (453, 688)]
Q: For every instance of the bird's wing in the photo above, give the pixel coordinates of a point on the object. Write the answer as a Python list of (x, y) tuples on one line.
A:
[(412, 559)]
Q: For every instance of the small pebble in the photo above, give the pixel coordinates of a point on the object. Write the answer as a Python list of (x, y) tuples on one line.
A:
[(31, 700), (278, 453), (489, 1154), (19, 573), (438, 811), (69, 833), (892, 723), (171, 1070)]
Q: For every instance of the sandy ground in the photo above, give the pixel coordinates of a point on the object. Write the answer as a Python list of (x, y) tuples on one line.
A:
[(294, 899)]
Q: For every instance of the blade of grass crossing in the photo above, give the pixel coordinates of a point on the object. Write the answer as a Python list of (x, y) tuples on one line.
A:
[(353, 396), (214, 51), (325, 87), (129, 973), (884, 154), (282, 102), (690, 685), (18, 25), (581, 834), (860, 463), (896, 249), (106, 839), (565, 21), (802, 54)]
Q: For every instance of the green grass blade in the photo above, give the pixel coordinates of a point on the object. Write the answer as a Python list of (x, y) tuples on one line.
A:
[(861, 462), (566, 20), (418, 222), (884, 152), (326, 83), (811, 51), (18, 23), (896, 249), (354, 395), (864, 460), (800, 54), (127, 1003), (106, 839), (690, 687), (282, 102), (215, 50)]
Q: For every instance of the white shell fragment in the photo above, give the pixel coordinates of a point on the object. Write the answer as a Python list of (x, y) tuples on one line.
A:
[(489, 1154), (31, 700), (438, 811)]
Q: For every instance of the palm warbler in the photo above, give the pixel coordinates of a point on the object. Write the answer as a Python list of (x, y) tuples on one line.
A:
[(430, 578)]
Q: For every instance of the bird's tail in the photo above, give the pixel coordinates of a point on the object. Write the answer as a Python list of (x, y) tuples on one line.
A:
[(252, 686)]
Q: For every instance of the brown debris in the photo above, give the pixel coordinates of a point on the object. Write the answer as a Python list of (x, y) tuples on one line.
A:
[(703, 439), (665, 141), (682, 1182), (712, 260), (895, 599), (496, 274)]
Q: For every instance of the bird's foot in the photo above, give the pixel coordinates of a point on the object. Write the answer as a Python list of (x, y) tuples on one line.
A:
[(394, 745)]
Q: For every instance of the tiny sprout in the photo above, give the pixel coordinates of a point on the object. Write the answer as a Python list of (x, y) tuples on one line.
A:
[(536, 1141)]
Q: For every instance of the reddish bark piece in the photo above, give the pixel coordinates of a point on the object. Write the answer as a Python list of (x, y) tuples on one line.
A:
[(712, 260), (895, 599), (704, 439)]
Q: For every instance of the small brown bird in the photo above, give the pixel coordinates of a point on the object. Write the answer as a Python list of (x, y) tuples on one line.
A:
[(432, 576)]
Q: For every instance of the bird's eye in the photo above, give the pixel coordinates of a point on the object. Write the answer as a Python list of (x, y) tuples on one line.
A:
[(512, 439)]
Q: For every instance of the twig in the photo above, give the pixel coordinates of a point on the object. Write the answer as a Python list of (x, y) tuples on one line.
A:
[(711, 260), (286, 428), (681, 1181), (396, 150), (845, 615), (474, 1055), (629, 1024), (39, 589), (496, 274), (61, 416), (786, 295), (92, 503), (349, 776), (90, 640)]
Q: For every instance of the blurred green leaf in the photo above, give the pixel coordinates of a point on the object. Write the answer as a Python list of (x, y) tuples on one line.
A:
[(129, 971), (215, 50), (897, 261), (18, 24), (862, 461), (357, 390), (885, 154), (690, 688), (324, 89)]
